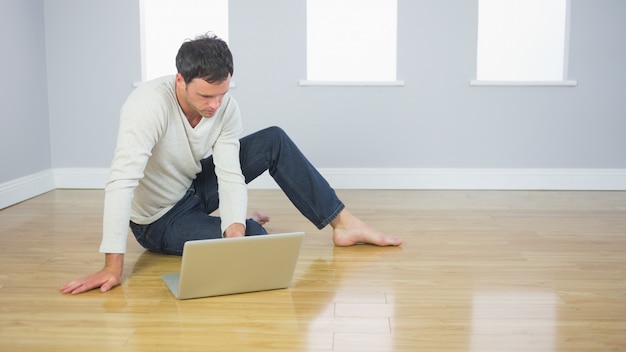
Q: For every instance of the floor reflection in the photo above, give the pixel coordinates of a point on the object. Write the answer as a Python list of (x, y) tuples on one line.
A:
[(513, 321), (346, 315)]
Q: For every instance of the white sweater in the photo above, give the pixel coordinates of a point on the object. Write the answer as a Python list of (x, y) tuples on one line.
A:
[(158, 155)]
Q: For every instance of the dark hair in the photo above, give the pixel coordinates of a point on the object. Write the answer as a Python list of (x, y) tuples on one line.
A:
[(206, 57)]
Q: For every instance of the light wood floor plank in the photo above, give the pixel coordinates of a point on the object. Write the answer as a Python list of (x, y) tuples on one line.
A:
[(479, 271)]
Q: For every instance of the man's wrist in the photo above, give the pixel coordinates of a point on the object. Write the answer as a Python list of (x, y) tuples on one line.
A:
[(114, 262), (235, 230)]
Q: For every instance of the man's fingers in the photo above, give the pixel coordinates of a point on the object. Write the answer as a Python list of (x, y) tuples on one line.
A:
[(87, 284), (107, 286), (70, 287), (83, 287)]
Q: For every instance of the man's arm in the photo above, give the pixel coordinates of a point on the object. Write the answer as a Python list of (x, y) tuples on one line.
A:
[(107, 278), (233, 197)]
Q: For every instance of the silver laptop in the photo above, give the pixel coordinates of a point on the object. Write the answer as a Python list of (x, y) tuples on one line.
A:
[(235, 265)]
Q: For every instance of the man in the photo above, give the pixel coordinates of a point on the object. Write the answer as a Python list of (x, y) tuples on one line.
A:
[(179, 158)]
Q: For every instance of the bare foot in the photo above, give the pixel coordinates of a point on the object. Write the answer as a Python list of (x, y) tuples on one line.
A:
[(259, 217), (349, 230)]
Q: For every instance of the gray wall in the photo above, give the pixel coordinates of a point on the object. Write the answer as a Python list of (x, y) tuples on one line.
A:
[(436, 121), (24, 126), (93, 59)]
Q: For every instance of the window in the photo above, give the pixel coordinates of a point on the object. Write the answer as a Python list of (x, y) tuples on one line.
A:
[(351, 40), (522, 40), (166, 24)]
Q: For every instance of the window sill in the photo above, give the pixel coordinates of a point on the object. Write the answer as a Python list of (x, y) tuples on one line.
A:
[(307, 83), (565, 83)]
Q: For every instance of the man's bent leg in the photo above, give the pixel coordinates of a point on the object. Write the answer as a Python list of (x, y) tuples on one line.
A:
[(271, 149)]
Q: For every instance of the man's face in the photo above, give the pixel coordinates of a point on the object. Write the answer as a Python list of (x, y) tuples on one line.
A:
[(203, 97)]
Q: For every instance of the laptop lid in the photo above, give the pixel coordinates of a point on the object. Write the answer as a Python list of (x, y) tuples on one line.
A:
[(235, 265)]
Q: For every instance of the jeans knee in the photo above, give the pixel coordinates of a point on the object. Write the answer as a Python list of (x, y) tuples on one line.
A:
[(279, 137), (276, 132)]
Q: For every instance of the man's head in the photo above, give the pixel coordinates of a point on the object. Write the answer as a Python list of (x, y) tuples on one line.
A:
[(207, 57)]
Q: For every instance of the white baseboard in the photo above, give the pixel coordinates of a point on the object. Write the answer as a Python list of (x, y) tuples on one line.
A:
[(468, 179), (26, 187), (15, 191), (77, 178)]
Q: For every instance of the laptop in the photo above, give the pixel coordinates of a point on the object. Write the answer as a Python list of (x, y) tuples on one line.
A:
[(235, 265)]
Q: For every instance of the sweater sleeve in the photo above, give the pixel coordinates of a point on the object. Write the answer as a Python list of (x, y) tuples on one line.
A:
[(138, 133), (233, 196)]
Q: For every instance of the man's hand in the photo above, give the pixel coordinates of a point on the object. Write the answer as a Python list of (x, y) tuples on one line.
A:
[(235, 230), (107, 278)]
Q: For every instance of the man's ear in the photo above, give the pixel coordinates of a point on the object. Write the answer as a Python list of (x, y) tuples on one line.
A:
[(180, 81)]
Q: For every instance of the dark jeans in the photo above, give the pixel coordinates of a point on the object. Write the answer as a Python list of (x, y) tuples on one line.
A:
[(269, 149)]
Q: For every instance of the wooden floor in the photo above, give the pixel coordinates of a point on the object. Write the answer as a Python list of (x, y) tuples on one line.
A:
[(479, 271)]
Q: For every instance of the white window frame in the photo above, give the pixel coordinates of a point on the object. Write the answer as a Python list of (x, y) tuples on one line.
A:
[(182, 24), (564, 82), (324, 13)]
